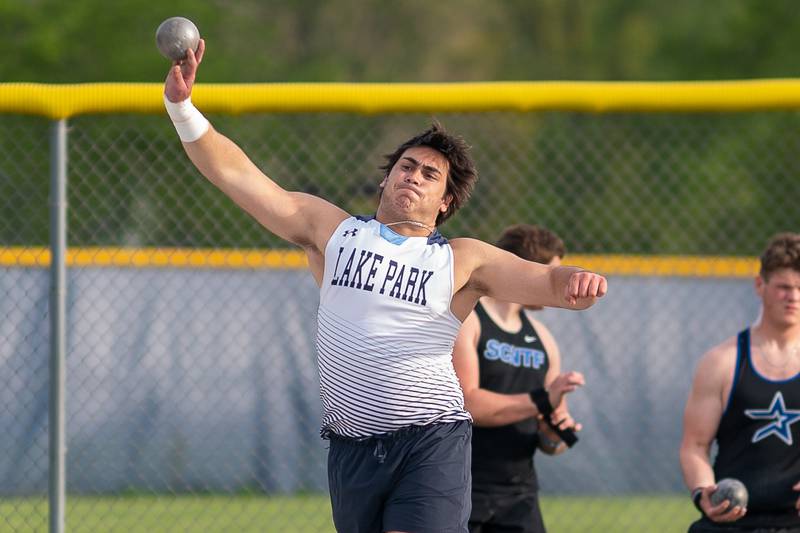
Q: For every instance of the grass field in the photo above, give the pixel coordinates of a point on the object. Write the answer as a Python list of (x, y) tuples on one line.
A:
[(311, 514)]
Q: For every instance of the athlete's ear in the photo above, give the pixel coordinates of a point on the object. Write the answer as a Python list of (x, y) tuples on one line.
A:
[(383, 182), (446, 203), (760, 282)]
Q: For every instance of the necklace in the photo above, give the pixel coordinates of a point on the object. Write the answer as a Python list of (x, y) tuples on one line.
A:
[(413, 223), (791, 352)]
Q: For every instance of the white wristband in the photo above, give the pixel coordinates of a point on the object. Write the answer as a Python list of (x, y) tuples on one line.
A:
[(188, 120)]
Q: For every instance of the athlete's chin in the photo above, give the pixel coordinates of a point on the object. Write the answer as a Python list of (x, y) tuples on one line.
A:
[(404, 203), (788, 320)]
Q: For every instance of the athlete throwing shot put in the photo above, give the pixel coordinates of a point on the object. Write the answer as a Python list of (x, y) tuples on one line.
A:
[(746, 395), (393, 293)]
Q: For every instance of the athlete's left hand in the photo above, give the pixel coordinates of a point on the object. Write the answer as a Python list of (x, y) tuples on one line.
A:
[(561, 385), (723, 511), (585, 285)]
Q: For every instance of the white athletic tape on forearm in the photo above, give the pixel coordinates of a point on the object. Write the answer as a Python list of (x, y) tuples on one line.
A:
[(188, 120)]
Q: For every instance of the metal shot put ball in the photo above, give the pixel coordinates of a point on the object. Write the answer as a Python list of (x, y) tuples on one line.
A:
[(730, 489), (175, 36)]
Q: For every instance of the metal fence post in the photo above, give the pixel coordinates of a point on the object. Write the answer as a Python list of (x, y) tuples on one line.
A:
[(58, 291)]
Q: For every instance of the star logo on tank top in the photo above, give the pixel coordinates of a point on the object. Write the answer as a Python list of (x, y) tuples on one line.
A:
[(782, 420)]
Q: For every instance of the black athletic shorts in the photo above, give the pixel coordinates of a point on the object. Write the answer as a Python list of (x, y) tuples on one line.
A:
[(499, 512), (416, 479), (705, 525), (707, 529)]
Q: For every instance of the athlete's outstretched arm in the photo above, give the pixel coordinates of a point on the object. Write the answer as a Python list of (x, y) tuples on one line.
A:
[(485, 270), (489, 408), (701, 419), (299, 218)]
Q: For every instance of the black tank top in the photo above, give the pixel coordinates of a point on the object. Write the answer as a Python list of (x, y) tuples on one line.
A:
[(759, 441), (510, 363)]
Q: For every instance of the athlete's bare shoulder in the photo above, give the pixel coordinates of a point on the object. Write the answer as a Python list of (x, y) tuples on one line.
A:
[(718, 363), (724, 350), (468, 255), (467, 246)]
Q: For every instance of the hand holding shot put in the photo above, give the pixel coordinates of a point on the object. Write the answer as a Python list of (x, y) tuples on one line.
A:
[(731, 490), (393, 293), (180, 79), (725, 501)]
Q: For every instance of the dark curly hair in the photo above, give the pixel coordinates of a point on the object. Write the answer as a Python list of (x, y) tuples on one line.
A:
[(462, 174)]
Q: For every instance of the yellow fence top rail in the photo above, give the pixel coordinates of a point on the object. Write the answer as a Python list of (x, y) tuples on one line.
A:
[(64, 101), (611, 265)]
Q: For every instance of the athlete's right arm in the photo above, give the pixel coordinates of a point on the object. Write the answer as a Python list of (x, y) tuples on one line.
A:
[(701, 419), (299, 218)]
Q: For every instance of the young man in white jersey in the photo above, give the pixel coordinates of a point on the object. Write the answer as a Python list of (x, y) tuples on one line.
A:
[(746, 396), (501, 356), (392, 294)]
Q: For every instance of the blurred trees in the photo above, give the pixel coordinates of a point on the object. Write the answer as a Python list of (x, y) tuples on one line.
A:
[(635, 184), (406, 40)]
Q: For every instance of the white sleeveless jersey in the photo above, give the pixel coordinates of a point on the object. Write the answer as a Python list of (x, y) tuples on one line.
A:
[(385, 331)]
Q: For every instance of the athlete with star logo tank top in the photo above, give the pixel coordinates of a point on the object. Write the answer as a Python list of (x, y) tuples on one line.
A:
[(746, 396)]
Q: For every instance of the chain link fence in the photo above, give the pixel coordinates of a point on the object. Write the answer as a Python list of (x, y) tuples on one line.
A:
[(192, 400)]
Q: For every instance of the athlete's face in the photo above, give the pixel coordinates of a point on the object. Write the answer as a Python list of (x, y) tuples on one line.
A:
[(555, 261), (416, 184), (780, 295)]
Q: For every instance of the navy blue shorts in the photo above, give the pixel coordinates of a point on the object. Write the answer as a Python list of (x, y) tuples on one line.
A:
[(416, 480)]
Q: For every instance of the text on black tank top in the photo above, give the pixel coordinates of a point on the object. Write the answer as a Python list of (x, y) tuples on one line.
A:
[(510, 363)]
